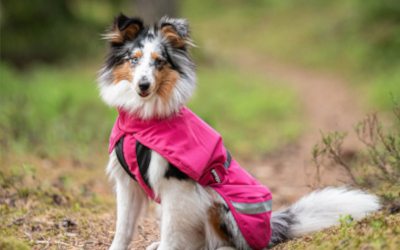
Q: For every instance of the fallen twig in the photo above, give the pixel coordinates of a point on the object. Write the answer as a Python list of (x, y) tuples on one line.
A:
[(29, 235), (19, 221), (96, 242), (54, 242), (47, 245)]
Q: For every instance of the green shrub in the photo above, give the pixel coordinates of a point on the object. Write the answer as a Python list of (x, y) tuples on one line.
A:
[(376, 167)]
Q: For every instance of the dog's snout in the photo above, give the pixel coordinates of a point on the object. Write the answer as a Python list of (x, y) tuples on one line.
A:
[(144, 85)]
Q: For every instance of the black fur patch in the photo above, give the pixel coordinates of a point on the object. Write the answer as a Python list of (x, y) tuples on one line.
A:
[(281, 222), (225, 230), (174, 172), (226, 208), (123, 21)]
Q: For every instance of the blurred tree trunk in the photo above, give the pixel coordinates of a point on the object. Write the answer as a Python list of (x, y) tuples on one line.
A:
[(153, 10)]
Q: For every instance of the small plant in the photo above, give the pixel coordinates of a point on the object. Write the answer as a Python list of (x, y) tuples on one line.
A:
[(376, 167), (345, 221)]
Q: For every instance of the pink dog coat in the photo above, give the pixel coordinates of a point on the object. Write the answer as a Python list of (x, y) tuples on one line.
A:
[(194, 149)]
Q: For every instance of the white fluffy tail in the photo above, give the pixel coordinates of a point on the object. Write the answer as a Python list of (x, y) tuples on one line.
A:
[(319, 210)]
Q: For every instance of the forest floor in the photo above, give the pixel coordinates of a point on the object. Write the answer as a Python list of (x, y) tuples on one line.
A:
[(76, 219)]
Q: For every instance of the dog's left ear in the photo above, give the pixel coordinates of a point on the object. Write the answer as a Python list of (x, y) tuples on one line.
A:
[(176, 30), (124, 29)]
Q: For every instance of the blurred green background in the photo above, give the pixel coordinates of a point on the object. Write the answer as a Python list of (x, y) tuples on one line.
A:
[(51, 50)]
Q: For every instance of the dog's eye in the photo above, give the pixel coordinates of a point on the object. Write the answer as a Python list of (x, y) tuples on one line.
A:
[(135, 60), (158, 62)]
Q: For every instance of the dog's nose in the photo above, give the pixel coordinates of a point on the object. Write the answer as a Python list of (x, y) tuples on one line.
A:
[(144, 85)]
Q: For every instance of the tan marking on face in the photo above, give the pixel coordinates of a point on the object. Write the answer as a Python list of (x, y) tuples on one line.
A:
[(155, 55), (138, 54), (123, 72), (173, 37), (215, 221), (165, 79)]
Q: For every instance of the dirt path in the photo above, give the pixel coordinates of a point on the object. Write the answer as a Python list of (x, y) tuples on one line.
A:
[(329, 105)]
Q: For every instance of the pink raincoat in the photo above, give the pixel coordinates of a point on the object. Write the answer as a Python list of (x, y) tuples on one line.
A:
[(196, 149)]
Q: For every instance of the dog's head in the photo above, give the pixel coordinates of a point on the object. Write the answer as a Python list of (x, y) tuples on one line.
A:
[(148, 70)]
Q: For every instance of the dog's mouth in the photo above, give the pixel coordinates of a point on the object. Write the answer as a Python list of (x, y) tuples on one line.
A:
[(144, 94)]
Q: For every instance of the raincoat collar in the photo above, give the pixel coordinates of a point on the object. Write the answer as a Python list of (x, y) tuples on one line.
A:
[(129, 123)]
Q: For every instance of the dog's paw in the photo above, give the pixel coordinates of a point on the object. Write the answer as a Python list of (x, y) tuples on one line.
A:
[(153, 246), (117, 247)]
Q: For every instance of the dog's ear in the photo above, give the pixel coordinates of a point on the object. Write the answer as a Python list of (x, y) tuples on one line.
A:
[(124, 29), (176, 31)]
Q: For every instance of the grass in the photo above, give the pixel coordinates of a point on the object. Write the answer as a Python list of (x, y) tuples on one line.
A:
[(53, 112), (247, 110), (378, 231)]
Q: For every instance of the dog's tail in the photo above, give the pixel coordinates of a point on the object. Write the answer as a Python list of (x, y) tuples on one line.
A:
[(319, 210)]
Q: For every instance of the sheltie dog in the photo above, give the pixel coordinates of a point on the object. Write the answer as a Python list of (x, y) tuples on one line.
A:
[(148, 73)]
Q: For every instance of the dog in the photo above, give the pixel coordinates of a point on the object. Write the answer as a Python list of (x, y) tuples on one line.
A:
[(149, 76)]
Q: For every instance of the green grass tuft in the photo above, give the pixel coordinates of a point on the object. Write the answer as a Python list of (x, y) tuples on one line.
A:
[(12, 244), (378, 231)]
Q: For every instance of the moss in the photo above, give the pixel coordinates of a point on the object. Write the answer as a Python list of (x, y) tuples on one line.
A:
[(378, 231), (12, 244)]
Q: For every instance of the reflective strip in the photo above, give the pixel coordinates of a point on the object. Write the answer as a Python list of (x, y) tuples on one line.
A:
[(228, 160), (253, 208)]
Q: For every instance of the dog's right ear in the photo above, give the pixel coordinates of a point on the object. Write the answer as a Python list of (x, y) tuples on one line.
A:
[(176, 31), (124, 29)]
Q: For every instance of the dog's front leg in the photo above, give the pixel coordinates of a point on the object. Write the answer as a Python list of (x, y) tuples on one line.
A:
[(184, 213), (131, 202), (184, 207)]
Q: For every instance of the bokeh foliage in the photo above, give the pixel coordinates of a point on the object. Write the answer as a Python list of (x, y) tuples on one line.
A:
[(52, 112), (53, 31), (58, 47), (46, 30), (358, 40)]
